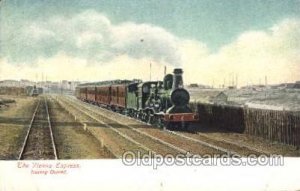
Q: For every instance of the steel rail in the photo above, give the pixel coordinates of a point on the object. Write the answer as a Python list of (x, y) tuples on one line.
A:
[(230, 153), (241, 145), (115, 130), (83, 124), (28, 132), (50, 129), (140, 132), (183, 136), (218, 148)]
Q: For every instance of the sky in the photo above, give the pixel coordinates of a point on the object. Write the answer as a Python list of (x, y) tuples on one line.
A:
[(214, 41)]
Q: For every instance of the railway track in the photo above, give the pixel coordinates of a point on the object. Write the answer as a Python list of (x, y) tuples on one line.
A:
[(181, 143), (121, 139), (222, 145), (155, 145), (39, 141), (238, 149)]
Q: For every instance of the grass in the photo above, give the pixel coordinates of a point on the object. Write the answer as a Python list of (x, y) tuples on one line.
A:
[(14, 121)]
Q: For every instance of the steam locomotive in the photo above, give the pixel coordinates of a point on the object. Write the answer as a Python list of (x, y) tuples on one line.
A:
[(34, 91), (161, 103)]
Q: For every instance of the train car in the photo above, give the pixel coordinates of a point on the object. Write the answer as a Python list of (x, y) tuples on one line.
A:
[(91, 94), (118, 96), (103, 95), (83, 93), (35, 92)]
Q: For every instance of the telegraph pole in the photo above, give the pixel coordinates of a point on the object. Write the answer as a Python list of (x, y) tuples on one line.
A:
[(150, 70)]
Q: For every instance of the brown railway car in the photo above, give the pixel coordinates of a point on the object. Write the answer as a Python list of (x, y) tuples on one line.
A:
[(91, 94), (83, 93), (118, 96), (103, 95), (80, 93)]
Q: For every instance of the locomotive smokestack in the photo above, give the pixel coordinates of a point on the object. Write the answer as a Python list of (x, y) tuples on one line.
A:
[(177, 79)]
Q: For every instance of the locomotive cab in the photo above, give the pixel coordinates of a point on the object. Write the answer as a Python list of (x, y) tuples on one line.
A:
[(149, 101)]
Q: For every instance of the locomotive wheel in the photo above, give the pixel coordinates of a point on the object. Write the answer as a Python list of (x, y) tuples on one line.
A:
[(150, 117), (159, 122), (145, 117), (136, 115), (141, 116)]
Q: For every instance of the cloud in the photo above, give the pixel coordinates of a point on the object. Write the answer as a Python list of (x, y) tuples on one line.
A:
[(90, 35), (65, 67), (88, 46), (145, 40), (273, 53)]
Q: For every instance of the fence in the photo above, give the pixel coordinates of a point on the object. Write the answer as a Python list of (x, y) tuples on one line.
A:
[(279, 126)]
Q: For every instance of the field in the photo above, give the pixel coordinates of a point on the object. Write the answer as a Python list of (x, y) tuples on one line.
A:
[(14, 120)]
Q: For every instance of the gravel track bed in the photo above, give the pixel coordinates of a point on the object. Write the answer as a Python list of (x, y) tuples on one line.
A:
[(242, 150), (112, 140), (39, 143), (155, 146), (190, 146), (72, 141)]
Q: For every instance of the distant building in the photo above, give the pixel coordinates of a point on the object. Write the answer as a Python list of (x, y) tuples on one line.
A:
[(10, 83), (231, 87), (199, 86), (193, 86), (214, 97), (219, 98)]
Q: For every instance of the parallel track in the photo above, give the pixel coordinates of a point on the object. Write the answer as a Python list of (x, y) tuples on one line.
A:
[(238, 146), (228, 152), (134, 130), (119, 133), (180, 150), (39, 141)]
